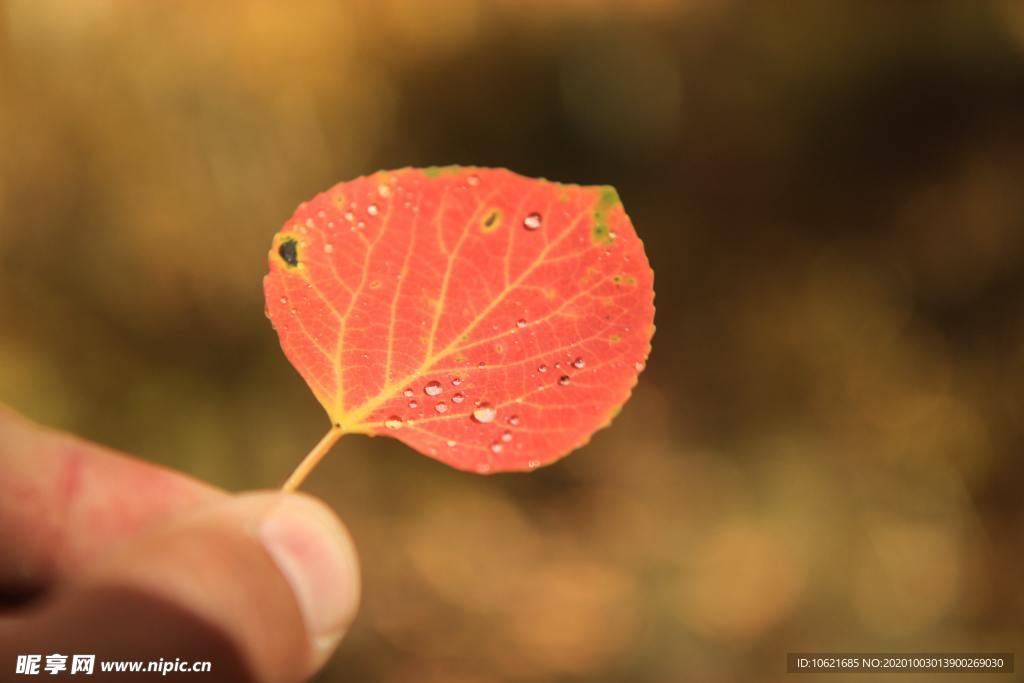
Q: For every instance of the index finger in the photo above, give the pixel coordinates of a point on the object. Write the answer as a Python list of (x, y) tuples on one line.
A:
[(65, 501)]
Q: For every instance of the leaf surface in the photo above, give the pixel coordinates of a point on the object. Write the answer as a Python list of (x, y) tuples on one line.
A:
[(486, 319)]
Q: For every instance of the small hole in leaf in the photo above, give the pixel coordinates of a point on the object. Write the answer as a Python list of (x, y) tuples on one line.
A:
[(289, 252)]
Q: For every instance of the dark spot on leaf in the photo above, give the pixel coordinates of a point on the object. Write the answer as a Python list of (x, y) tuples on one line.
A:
[(289, 252), (491, 221)]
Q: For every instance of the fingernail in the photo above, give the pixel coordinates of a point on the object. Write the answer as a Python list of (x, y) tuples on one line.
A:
[(315, 554)]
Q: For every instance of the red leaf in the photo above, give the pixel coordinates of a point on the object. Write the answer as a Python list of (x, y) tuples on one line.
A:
[(488, 320)]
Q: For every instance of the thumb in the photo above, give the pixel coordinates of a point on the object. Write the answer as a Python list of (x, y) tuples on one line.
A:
[(263, 586)]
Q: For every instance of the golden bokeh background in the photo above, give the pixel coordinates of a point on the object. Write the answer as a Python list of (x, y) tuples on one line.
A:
[(824, 452)]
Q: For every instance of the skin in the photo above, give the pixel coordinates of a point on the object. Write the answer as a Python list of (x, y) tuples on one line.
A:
[(104, 554)]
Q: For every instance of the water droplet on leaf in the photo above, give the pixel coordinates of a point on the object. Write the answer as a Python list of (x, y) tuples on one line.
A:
[(563, 380), (485, 413), (441, 407), (532, 221), (393, 422), (433, 388), (579, 363)]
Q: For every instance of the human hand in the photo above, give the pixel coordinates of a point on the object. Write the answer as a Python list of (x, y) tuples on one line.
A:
[(103, 554)]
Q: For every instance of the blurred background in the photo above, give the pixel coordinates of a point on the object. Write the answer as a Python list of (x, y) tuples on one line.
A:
[(824, 452)]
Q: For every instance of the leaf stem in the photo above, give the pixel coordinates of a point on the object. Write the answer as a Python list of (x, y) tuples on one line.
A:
[(313, 458)]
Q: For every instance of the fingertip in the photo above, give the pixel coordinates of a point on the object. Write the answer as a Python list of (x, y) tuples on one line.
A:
[(314, 552)]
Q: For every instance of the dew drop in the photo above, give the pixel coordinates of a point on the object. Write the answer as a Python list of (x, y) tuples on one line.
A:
[(408, 393), (579, 363), (451, 444), (393, 422), (485, 413), (384, 190), (458, 398), (372, 210), (433, 388), (513, 420), (533, 464), (321, 214), (456, 381), (473, 180), (532, 221), (441, 407), (639, 365), (329, 248), (349, 216), (521, 323), (496, 447), (413, 404), (563, 380), (542, 369), (360, 224), (481, 365), (483, 468), (283, 299), (506, 436)]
